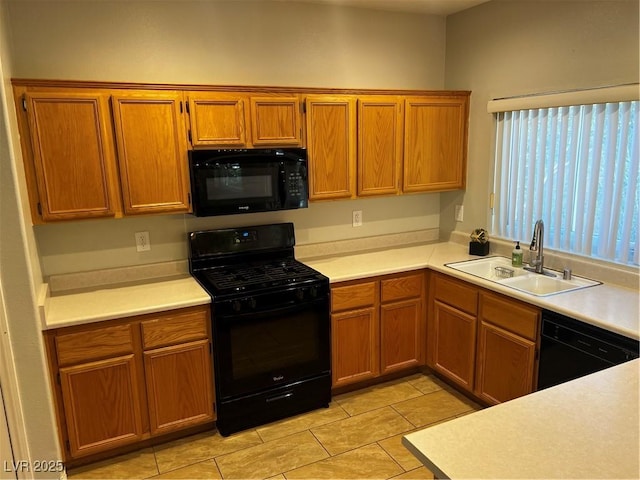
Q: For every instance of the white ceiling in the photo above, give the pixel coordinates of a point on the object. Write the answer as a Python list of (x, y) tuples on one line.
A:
[(432, 7)]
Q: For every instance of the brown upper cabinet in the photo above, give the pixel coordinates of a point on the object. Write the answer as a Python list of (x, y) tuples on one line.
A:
[(152, 152), (331, 145), (435, 143), (240, 120), (71, 146), (403, 144), (106, 149), (218, 119), (276, 121), (379, 145)]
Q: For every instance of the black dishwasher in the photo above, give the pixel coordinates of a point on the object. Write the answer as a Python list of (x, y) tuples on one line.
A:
[(570, 349)]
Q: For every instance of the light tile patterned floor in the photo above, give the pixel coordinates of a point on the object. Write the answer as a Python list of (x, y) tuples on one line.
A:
[(358, 436)]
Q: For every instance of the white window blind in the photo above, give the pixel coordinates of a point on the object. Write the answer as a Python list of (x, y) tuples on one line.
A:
[(576, 168)]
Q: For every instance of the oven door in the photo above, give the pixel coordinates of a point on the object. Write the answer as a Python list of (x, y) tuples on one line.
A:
[(262, 350), (236, 187)]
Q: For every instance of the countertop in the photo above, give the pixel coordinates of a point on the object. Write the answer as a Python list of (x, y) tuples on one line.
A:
[(585, 428), (122, 301), (607, 306), (611, 307)]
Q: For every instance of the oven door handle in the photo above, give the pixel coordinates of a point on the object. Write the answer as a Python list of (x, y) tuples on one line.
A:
[(283, 309), (284, 396)]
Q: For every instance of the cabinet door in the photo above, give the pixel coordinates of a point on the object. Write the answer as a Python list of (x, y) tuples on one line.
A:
[(435, 144), (331, 145), (379, 145), (179, 386), (400, 338), (505, 364), (102, 405), (152, 152), (276, 121), (218, 119), (73, 154), (355, 345), (453, 344)]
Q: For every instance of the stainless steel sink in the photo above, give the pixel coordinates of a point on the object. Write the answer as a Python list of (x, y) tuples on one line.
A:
[(499, 270)]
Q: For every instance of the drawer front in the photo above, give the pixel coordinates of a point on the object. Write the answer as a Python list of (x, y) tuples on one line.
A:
[(406, 286), (349, 297), (516, 317), (456, 293), (73, 348), (172, 329)]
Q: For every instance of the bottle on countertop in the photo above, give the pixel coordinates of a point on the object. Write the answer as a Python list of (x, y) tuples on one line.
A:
[(516, 256)]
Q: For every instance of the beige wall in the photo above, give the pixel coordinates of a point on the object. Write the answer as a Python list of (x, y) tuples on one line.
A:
[(225, 42), (23, 374), (507, 48)]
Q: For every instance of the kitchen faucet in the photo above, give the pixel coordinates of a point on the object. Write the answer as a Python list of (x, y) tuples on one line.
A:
[(537, 245)]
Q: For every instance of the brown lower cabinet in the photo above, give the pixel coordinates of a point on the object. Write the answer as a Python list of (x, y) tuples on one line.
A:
[(483, 342), (120, 382), (377, 326)]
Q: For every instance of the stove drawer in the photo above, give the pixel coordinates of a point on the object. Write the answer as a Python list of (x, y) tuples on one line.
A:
[(174, 328)]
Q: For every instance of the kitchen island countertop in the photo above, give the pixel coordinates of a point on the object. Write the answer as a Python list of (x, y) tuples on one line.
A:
[(586, 428)]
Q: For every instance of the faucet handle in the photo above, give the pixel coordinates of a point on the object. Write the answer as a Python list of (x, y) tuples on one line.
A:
[(566, 274)]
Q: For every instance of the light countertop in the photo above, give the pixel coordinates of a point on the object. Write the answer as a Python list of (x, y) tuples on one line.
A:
[(123, 301), (608, 306), (586, 428)]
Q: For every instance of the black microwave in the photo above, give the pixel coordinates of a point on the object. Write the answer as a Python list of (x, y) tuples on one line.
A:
[(225, 182)]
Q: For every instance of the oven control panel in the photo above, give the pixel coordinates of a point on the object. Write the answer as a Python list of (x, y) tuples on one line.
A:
[(245, 236)]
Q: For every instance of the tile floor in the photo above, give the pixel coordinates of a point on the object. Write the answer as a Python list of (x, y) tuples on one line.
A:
[(358, 436)]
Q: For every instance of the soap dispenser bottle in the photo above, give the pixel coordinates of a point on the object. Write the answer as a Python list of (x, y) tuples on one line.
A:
[(516, 256)]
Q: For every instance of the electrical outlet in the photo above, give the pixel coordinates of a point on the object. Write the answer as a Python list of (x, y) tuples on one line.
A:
[(357, 218), (142, 242), (459, 213)]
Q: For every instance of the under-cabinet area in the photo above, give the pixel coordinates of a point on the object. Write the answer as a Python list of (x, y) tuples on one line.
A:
[(120, 382), (103, 150)]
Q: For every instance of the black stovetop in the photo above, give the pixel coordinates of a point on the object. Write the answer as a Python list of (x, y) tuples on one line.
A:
[(255, 276), (248, 260)]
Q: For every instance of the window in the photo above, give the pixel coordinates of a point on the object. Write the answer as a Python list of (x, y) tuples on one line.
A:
[(576, 168)]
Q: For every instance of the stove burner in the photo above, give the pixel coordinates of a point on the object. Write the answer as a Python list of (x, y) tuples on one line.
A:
[(252, 276)]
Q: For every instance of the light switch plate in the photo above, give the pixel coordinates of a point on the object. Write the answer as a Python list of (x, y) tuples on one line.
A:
[(459, 213), (357, 218)]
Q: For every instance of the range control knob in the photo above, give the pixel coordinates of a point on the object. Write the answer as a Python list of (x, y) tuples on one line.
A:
[(313, 291), (252, 302), (300, 293), (236, 305)]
